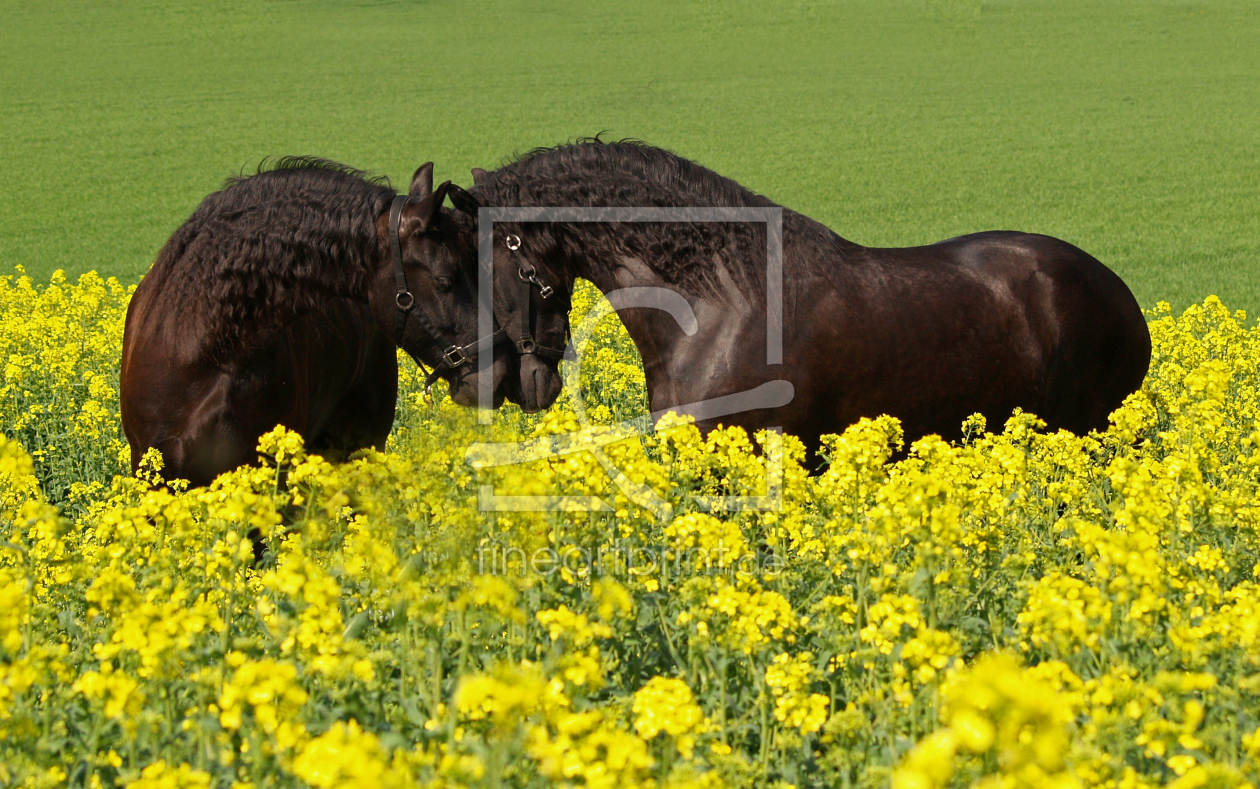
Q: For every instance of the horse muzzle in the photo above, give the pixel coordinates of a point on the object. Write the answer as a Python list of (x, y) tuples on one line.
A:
[(538, 384)]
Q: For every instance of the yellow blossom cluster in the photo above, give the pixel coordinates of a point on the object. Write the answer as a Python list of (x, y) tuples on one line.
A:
[(789, 677), (347, 757), (667, 705)]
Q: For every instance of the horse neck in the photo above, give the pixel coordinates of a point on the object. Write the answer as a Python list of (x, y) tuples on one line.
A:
[(658, 315), (599, 270)]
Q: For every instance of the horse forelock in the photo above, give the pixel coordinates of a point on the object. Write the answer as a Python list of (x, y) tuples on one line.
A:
[(270, 246)]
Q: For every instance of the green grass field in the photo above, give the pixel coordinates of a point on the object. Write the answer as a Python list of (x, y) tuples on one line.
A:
[(1129, 129)]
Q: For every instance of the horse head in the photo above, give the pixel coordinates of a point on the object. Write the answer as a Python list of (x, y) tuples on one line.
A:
[(533, 288), (425, 292)]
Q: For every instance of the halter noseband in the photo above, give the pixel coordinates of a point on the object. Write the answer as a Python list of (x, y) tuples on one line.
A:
[(455, 356), (528, 276)]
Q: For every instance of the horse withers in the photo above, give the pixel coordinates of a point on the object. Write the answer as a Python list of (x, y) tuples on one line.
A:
[(984, 323), (282, 300)]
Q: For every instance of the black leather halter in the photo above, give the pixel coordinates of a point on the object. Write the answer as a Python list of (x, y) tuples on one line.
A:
[(455, 356), (528, 276)]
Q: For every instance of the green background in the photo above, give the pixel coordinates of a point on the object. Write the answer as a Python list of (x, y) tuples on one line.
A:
[(1129, 129)]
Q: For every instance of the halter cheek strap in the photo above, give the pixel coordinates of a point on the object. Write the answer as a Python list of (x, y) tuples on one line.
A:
[(454, 356), (528, 275)]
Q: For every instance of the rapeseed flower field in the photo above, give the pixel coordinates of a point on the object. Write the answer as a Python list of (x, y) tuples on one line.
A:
[(1022, 609)]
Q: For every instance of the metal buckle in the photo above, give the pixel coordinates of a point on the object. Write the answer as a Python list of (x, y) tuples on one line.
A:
[(526, 344), (531, 276), (454, 356), (513, 242), (410, 300)]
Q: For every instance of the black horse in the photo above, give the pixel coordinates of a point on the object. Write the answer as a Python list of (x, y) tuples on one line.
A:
[(281, 301), (983, 323)]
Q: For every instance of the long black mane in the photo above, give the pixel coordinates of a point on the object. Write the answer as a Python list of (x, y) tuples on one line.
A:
[(592, 172), (270, 246)]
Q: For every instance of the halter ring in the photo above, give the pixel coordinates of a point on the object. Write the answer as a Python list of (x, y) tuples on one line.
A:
[(404, 300), (513, 242)]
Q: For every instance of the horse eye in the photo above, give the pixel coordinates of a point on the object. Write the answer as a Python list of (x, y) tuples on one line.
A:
[(444, 283)]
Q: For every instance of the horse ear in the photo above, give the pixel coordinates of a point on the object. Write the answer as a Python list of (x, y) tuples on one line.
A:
[(439, 196), (418, 217), (422, 181), (463, 200), (479, 176)]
